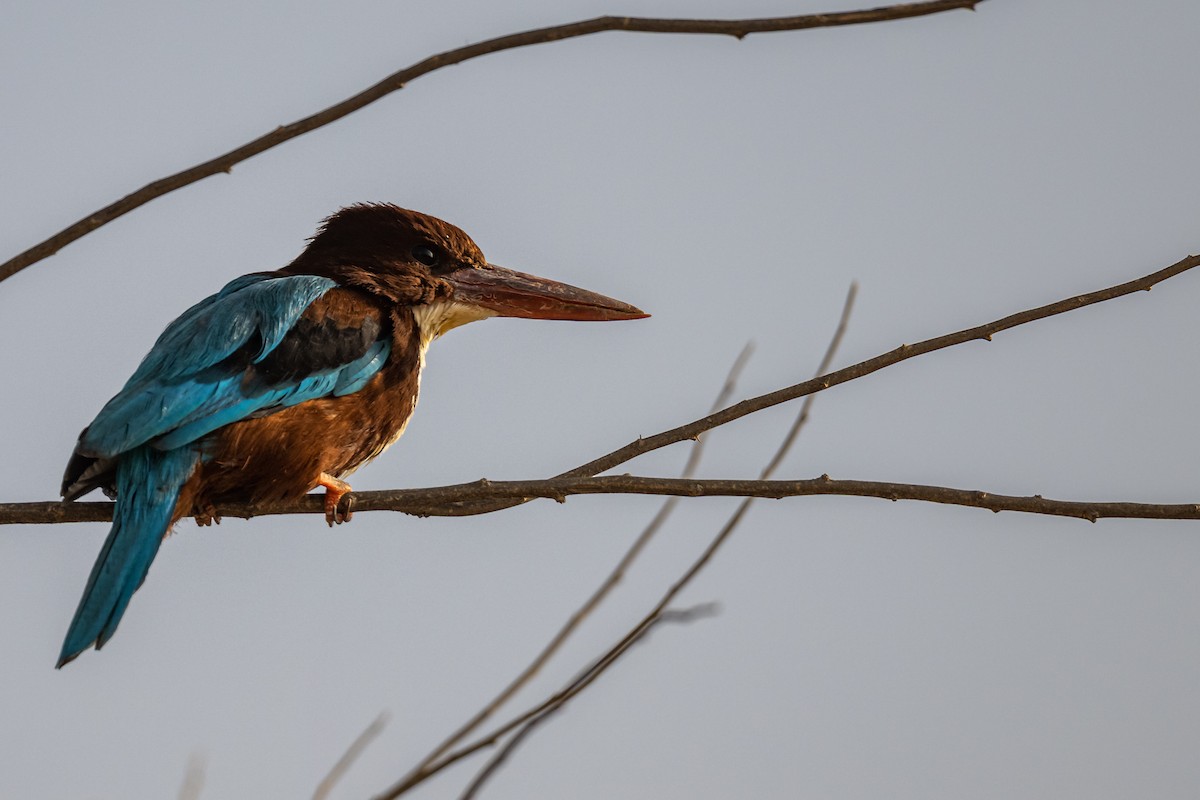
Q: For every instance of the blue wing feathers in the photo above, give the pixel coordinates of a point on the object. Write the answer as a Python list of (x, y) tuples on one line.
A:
[(215, 328), (186, 386)]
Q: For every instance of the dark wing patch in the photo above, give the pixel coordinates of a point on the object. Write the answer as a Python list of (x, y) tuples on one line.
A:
[(314, 346)]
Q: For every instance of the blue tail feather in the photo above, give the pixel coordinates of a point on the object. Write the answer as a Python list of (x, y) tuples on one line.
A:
[(148, 485)]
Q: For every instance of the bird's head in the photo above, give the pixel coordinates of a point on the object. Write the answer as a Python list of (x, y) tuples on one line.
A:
[(417, 260)]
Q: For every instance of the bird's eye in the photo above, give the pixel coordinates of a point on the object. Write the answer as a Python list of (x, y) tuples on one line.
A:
[(425, 255)]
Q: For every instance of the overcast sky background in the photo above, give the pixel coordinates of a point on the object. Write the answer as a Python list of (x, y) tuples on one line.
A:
[(961, 167)]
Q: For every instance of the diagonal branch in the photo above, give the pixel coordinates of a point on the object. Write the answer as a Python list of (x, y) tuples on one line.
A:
[(397, 81)]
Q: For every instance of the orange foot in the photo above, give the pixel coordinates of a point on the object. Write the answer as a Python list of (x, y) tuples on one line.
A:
[(335, 490)]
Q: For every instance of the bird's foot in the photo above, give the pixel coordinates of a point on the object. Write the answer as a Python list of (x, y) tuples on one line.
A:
[(207, 516), (338, 507)]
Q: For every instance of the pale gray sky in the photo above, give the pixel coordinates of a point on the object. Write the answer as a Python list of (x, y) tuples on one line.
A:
[(961, 167)]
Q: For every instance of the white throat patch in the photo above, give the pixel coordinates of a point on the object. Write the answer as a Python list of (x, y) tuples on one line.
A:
[(434, 319)]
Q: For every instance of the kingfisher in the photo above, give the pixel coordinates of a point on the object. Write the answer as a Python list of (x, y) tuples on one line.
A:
[(286, 381)]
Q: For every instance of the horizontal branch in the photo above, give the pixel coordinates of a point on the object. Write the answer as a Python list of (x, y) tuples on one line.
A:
[(397, 81), (425, 502), (484, 496)]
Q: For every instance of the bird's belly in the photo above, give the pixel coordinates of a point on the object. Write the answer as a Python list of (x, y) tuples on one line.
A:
[(383, 445), (280, 457)]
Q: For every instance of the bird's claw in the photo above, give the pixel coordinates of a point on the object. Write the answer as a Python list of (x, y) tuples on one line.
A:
[(339, 503), (338, 508), (207, 516)]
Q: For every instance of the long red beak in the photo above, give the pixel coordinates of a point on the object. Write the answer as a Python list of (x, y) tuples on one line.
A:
[(514, 294)]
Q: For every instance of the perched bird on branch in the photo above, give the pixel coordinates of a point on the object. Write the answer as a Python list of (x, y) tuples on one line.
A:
[(285, 381)]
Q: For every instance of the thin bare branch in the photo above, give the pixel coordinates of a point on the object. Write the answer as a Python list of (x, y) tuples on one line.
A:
[(663, 612), (601, 592), (351, 755), (398, 80), (407, 500)]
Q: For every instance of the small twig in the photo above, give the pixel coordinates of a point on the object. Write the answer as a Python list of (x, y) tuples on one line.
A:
[(686, 616), (224, 163), (348, 758), (826, 362), (657, 614), (601, 592), (193, 778)]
